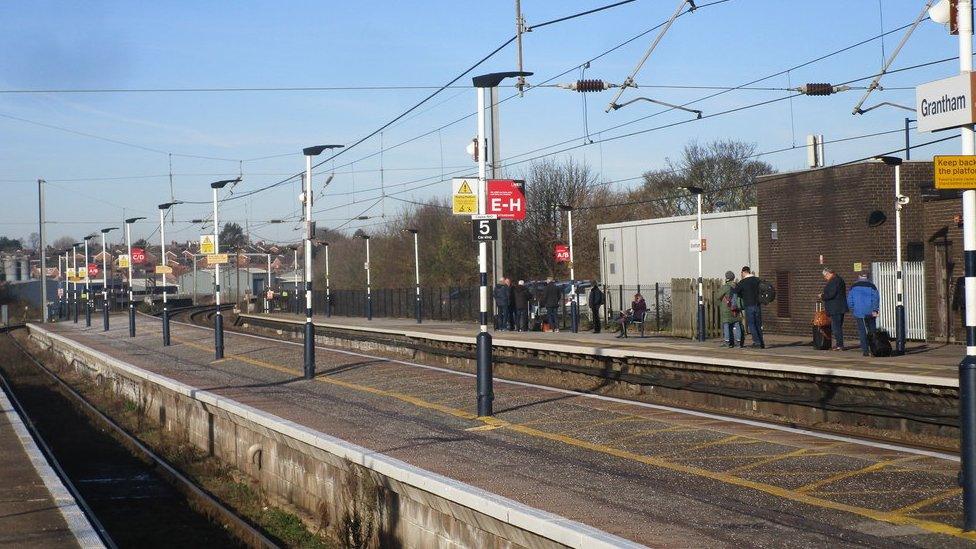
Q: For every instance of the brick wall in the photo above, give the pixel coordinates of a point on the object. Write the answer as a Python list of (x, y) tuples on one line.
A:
[(825, 213)]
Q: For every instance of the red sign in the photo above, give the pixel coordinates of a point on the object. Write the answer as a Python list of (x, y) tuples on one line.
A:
[(138, 256), (561, 253), (506, 199), (93, 269)]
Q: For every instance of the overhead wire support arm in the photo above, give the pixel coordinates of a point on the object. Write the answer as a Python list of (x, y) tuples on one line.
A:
[(696, 112), (629, 81), (875, 84)]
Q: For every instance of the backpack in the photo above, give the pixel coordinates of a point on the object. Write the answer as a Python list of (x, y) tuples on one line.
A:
[(879, 343), (767, 292), (732, 302)]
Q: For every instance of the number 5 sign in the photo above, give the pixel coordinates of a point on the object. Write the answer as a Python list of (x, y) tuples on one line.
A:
[(484, 230)]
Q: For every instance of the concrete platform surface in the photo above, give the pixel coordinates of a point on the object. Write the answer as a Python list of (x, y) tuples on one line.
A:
[(923, 363), (657, 476), (36, 510)]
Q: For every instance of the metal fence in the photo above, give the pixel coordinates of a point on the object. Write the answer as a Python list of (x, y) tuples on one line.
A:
[(657, 296), (447, 303), (883, 274)]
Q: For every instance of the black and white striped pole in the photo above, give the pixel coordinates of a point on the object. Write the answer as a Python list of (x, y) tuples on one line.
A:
[(306, 199), (218, 317), (105, 279), (74, 285), (88, 296), (163, 208), (128, 245), (900, 201), (416, 269)]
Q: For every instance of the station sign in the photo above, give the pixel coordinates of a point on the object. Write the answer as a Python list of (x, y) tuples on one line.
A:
[(561, 253), (484, 228), (954, 171), (164, 269), (207, 244), (506, 199), (123, 261), (464, 196), (93, 269), (695, 245), (217, 259), (946, 103), (138, 256)]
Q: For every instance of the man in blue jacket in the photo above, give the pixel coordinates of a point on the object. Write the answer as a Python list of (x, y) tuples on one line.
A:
[(865, 302)]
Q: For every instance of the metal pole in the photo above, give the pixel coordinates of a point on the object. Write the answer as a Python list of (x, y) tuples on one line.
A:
[(574, 305), (484, 374), (309, 365), (416, 265), (294, 264), (218, 317), (267, 286), (74, 267), (132, 305), (967, 368), (61, 289), (899, 276), (104, 285), (328, 285), (162, 251), (498, 248), (908, 145), (88, 299), (193, 300), (701, 292), (369, 287), (40, 222)]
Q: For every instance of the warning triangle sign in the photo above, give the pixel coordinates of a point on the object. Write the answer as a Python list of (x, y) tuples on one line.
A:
[(465, 188)]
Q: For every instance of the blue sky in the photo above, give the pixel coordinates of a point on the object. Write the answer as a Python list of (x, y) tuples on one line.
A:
[(101, 44)]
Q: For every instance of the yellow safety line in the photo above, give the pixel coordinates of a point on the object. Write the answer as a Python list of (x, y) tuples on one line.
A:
[(784, 493), (671, 429), (929, 501), (877, 466), (768, 460)]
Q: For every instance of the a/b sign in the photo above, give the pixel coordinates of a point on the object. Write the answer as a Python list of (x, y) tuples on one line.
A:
[(955, 172)]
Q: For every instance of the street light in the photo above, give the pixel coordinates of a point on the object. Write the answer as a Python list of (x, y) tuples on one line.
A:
[(294, 269), (218, 317), (105, 279), (485, 390), (416, 264), (163, 208), (574, 305), (88, 296), (941, 13), (74, 267), (328, 282), (307, 199), (369, 289), (698, 192), (900, 201), (128, 245)]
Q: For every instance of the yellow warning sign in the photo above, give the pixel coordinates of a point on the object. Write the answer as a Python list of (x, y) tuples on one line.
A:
[(464, 201), (955, 172), (217, 259), (164, 269), (124, 261), (207, 244)]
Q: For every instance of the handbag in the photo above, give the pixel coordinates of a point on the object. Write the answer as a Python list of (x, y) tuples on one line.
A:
[(820, 318)]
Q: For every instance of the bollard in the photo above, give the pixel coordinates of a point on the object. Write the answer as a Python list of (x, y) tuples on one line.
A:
[(485, 392)]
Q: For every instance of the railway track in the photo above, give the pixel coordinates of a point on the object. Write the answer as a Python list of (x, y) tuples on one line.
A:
[(220, 515)]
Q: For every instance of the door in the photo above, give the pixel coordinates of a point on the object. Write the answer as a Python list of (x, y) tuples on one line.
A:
[(883, 274)]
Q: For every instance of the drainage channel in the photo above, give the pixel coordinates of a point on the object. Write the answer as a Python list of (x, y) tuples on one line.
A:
[(136, 496)]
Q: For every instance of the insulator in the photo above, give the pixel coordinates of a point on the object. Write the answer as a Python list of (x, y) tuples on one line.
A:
[(584, 86), (818, 89)]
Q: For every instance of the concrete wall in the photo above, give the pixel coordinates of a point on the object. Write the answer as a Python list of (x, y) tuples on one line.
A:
[(329, 480), (656, 250)]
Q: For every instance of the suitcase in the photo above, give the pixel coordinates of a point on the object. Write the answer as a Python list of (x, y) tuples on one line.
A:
[(822, 338), (879, 343)]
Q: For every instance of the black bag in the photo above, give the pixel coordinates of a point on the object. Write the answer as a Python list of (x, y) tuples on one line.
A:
[(821, 338), (879, 343), (767, 292)]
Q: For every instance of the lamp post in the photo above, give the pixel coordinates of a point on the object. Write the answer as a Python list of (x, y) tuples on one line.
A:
[(574, 305), (484, 375), (369, 288), (105, 279), (698, 192), (128, 245), (307, 199), (61, 285), (66, 296), (900, 201), (416, 265), (328, 283), (294, 268), (218, 317), (88, 296), (74, 285), (940, 13), (163, 208)]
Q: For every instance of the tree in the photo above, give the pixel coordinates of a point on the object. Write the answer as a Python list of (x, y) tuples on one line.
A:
[(724, 169), (141, 243), (232, 236), (63, 243), (34, 242), (10, 244)]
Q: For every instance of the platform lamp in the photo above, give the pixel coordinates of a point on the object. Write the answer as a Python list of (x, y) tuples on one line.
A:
[(74, 285), (416, 265), (128, 245), (369, 287), (105, 279), (163, 208), (574, 305), (218, 317), (88, 297), (328, 281), (698, 192), (307, 199), (900, 201)]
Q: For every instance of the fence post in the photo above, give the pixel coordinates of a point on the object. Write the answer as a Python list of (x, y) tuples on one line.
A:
[(657, 307)]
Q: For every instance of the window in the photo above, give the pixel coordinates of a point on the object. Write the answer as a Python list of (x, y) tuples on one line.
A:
[(610, 246), (915, 251), (613, 269), (783, 294)]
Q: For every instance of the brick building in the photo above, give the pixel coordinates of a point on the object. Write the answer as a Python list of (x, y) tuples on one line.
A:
[(825, 212)]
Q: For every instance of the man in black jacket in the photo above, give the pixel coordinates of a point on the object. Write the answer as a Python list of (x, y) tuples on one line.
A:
[(595, 301), (521, 298), (834, 298), (502, 296), (550, 300), (748, 291)]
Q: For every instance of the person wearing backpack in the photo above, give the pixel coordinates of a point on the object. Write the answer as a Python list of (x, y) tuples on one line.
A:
[(864, 302), (595, 301), (834, 298), (749, 292), (730, 312)]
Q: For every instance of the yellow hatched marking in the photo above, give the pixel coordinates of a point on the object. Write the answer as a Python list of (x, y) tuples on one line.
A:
[(929, 501), (877, 466), (784, 493), (768, 460), (645, 432)]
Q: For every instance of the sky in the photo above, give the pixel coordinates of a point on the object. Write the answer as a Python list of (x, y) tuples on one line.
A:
[(110, 155)]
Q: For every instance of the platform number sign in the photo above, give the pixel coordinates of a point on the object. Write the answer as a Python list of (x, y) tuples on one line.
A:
[(484, 230)]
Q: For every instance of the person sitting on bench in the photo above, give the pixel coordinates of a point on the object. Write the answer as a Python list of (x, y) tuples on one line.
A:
[(636, 312)]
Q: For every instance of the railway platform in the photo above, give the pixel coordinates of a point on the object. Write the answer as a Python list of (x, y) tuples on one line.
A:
[(652, 474)]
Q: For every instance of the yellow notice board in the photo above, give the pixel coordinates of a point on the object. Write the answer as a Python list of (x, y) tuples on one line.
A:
[(464, 198), (955, 172), (207, 244), (216, 259)]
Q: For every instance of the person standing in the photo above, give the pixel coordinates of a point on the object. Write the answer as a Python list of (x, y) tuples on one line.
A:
[(520, 300), (550, 300), (748, 291), (864, 301), (730, 311), (834, 297), (502, 298), (595, 301)]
